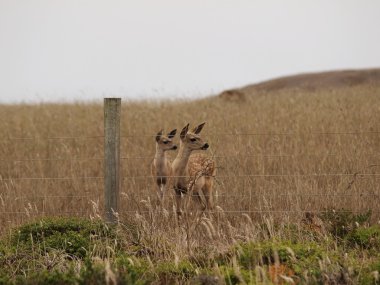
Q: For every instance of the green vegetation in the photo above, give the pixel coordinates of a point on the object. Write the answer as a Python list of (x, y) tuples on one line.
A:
[(75, 237), (342, 222), (283, 155), (79, 251)]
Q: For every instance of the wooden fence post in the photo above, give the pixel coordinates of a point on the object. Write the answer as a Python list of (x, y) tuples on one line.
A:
[(112, 108)]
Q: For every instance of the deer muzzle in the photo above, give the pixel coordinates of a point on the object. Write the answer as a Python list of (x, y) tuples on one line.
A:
[(205, 146)]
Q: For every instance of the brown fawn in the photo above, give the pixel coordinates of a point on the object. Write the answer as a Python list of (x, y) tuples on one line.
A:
[(161, 166), (193, 173)]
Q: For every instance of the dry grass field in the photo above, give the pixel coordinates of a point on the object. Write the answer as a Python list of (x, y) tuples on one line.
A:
[(279, 155)]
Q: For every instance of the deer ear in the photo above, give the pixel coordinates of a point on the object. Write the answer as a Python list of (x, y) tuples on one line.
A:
[(158, 136), (184, 132), (198, 129), (172, 134)]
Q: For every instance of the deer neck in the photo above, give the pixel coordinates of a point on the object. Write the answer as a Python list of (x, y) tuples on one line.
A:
[(180, 162), (160, 160)]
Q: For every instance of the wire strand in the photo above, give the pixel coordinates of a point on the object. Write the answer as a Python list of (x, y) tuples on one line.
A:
[(272, 134), (53, 138), (359, 133), (266, 175), (48, 196), (261, 211), (219, 176), (143, 157), (364, 195), (50, 178), (31, 213)]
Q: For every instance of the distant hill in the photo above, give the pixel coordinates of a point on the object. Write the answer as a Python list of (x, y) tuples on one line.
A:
[(309, 82)]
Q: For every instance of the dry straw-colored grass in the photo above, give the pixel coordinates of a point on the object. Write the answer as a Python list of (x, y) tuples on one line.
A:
[(282, 138)]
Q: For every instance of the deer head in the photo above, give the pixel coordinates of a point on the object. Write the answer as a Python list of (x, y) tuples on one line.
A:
[(165, 142), (191, 139)]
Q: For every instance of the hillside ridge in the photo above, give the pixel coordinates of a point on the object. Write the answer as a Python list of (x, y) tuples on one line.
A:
[(309, 82)]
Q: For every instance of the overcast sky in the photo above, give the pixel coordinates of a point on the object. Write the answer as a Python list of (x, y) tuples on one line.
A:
[(86, 49)]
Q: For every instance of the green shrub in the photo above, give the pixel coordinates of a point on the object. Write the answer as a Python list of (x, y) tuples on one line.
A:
[(72, 235), (92, 273), (168, 271), (133, 272), (252, 254), (368, 238), (231, 277), (341, 222), (205, 279), (48, 277), (296, 258), (4, 279), (369, 274)]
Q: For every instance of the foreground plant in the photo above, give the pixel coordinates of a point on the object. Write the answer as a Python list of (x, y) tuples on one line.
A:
[(81, 251)]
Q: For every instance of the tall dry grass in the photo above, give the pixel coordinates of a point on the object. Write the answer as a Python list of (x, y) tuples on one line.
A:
[(271, 151)]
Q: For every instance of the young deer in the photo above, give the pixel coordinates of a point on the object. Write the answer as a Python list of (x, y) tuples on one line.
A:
[(193, 173), (161, 166)]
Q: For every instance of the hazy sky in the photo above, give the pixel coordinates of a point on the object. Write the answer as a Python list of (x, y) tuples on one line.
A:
[(87, 49)]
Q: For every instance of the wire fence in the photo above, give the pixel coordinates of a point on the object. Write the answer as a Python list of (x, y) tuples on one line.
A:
[(237, 192)]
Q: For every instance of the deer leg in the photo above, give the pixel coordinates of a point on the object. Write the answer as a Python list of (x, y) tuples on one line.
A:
[(178, 200), (159, 193), (207, 192), (198, 187), (162, 194), (198, 199)]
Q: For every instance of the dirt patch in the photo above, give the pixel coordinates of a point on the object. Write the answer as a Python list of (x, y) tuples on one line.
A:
[(233, 95)]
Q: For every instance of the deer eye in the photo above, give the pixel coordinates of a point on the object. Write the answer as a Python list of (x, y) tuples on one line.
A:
[(165, 142), (193, 139)]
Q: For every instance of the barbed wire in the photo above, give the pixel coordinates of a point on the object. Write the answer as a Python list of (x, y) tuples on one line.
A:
[(266, 175), (32, 213), (47, 196), (246, 195), (261, 211), (206, 134), (221, 211), (125, 179), (51, 159), (222, 176), (143, 157), (50, 178), (271, 134), (184, 176), (52, 138), (264, 155)]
